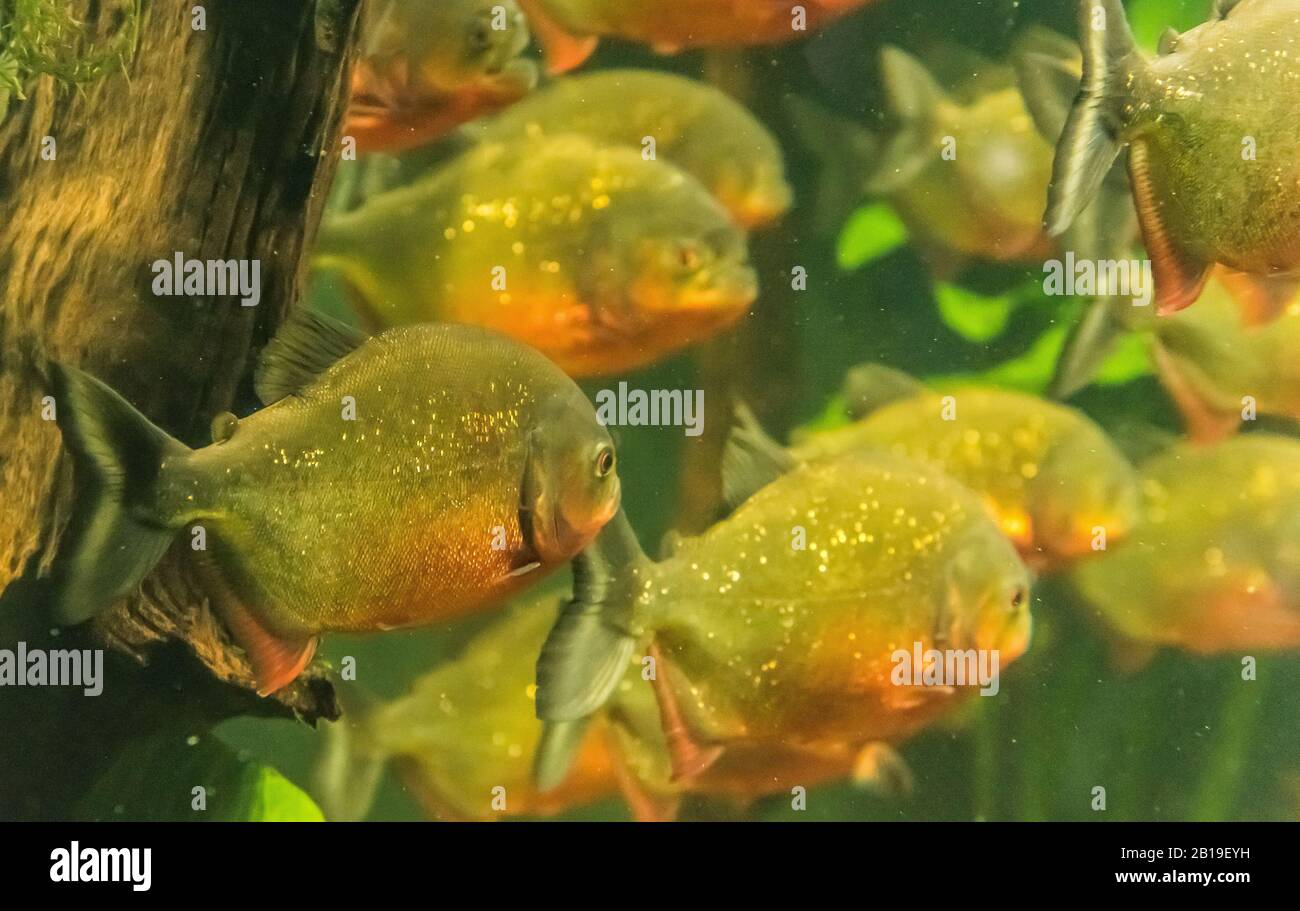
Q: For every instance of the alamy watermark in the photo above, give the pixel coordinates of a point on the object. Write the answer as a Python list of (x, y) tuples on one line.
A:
[(181, 277), (1130, 278), (951, 667), (626, 407), (53, 667)]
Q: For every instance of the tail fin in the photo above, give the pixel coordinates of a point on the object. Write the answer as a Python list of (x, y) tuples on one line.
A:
[(117, 537), (845, 152), (346, 771), (587, 652), (1089, 144), (911, 95)]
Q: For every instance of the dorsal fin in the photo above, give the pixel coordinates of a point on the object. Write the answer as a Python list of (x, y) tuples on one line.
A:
[(305, 346), (870, 386)]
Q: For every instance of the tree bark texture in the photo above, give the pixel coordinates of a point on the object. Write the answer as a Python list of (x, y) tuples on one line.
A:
[(218, 143)]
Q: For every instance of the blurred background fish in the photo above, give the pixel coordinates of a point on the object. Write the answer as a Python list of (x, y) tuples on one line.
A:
[(1051, 478), (598, 258), (1214, 565), (570, 29), (461, 732), (428, 66), (695, 126)]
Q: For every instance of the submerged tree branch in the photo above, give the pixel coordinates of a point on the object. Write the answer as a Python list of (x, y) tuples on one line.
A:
[(217, 143)]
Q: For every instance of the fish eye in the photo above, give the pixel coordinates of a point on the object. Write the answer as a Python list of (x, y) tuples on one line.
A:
[(604, 461), (1017, 598), (480, 35)]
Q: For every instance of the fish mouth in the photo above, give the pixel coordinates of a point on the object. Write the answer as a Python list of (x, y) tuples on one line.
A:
[(727, 291), (759, 208), (1007, 634), (556, 538)]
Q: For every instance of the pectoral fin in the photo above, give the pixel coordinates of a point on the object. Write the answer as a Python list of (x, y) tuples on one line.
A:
[(587, 652), (1180, 276), (1205, 424), (277, 660)]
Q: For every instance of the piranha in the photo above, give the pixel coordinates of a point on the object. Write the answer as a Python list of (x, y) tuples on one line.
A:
[(464, 730), (415, 476), (967, 176), (1051, 478), (777, 629), (695, 126), (569, 30), (1221, 367), (601, 260), (1213, 141), (428, 66), (1214, 566)]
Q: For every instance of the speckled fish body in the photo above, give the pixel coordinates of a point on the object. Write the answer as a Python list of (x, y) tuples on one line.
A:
[(1215, 564), (764, 642), (427, 66), (599, 259), (388, 520), (1213, 140), (693, 125), (1047, 473)]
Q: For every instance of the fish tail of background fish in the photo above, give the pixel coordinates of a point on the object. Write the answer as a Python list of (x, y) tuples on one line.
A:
[(120, 529), (587, 651), (912, 96), (844, 150), (346, 772), (1090, 141)]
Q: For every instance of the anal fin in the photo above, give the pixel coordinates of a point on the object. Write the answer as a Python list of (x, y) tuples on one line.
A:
[(689, 757), (1180, 276), (277, 660)]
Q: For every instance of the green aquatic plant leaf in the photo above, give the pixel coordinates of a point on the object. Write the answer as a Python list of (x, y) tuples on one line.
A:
[(1149, 19), (871, 232), (43, 37), (1032, 371), (973, 316), (155, 780)]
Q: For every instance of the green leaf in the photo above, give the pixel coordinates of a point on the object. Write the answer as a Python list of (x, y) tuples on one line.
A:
[(974, 316), (871, 232), (1149, 18), (1032, 371), (1130, 360), (154, 780)]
